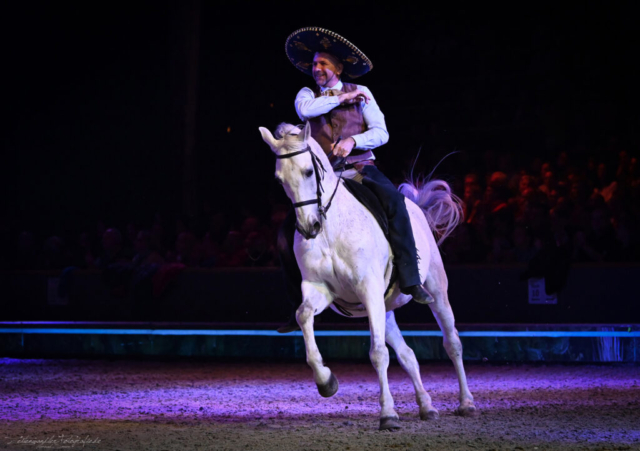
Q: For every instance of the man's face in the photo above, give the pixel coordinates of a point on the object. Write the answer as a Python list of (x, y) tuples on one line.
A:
[(326, 70)]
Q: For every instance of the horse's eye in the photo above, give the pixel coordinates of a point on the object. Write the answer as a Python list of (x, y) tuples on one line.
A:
[(309, 173)]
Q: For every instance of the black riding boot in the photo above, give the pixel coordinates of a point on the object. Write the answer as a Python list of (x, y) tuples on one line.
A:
[(400, 233)]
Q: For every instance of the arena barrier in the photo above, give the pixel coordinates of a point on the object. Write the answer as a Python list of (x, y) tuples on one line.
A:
[(233, 313), (594, 294), (486, 343)]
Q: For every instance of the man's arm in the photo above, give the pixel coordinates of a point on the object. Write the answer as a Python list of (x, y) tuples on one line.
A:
[(309, 106), (376, 133)]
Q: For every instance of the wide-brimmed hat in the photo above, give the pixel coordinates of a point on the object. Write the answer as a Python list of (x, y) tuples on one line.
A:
[(302, 45)]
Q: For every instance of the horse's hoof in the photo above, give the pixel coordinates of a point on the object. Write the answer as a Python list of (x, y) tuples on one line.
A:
[(288, 328), (330, 388), (389, 423), (468, 411), (429, 415)]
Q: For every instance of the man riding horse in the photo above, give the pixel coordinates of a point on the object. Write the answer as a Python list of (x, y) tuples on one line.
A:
[(347, 123)]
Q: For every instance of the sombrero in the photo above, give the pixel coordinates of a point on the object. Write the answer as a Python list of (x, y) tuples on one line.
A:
[(302, 44)]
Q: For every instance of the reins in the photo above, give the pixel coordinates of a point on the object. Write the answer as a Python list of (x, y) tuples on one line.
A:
[(317, 167)]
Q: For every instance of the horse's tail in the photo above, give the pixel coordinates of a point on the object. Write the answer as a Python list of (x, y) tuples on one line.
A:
[(442, 208)]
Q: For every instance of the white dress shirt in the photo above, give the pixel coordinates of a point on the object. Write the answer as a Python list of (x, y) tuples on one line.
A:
[(309, 106)]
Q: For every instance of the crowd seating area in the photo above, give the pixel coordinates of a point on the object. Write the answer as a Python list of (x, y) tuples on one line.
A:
[(555, 212)]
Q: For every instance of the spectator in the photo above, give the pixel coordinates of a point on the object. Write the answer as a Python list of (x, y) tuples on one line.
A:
[(233, 252), (157, 238), (471, 199), (523, 250), (188, 250), (55, 254), (112, 249), (211, 251), (600, 242), (145, 254), (463, 246), (84, 254), (250, 224), (277, 217), (258, 251)]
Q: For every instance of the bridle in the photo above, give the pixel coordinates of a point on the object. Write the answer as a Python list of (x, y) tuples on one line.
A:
[(319, 171)]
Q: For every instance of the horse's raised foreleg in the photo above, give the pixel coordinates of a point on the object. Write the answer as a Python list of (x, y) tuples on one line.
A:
[(316, 298), (379, 354), (436, 284), (407, 359)]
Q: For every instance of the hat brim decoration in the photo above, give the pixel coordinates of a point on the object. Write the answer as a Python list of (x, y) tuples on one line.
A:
[(303, 44)]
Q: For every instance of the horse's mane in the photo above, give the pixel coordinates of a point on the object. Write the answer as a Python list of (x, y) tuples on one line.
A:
[(288, 133), (285, 129)]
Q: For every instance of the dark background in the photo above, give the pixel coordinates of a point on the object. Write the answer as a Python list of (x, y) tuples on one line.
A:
[(95, 95)]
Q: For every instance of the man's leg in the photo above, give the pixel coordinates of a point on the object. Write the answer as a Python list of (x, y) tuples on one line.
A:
[(290, 269), (400, 233)]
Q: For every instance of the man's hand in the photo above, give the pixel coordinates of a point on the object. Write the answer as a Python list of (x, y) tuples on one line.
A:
[(343, 148), (356, 96)]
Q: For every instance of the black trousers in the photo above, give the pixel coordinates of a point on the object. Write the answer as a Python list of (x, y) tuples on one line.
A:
[(400, 236)]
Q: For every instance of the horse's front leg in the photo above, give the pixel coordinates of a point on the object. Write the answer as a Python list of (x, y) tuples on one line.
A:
[(373, 298), (316, 298)]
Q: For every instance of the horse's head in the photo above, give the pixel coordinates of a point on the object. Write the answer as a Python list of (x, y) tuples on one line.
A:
[(301, 170)]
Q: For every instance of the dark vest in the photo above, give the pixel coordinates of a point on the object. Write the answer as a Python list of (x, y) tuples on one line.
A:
[(343, 120)]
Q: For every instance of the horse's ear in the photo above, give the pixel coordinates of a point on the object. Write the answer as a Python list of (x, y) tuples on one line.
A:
[(268, 137), (305, 134)]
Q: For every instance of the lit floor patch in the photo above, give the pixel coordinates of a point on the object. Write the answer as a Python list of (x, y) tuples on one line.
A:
[(318, 333)]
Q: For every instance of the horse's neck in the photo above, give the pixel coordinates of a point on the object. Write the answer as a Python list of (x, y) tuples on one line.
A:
[(329, 179), (343, 213), (344, 207)]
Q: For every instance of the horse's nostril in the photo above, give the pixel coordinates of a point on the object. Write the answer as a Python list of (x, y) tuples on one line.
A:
[(316, 227)]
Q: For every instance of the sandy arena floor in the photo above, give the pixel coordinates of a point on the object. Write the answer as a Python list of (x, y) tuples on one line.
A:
[(127, 405)]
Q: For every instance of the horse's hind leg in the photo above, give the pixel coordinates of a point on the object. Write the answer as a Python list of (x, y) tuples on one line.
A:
[(315, 300), (407, 359), (437, 285)]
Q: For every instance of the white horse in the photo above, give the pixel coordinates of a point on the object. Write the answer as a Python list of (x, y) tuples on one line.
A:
[(346, 263)]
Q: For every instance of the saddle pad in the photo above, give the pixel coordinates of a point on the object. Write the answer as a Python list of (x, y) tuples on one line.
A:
[(366, 197)]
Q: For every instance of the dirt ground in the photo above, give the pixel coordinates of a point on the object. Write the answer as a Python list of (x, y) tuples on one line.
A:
[(129, 405)]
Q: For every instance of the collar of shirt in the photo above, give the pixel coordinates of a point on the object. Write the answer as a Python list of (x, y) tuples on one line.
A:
[(337, 87)]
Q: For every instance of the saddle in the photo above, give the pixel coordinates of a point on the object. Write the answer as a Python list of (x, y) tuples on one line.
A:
[(369, 201)]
